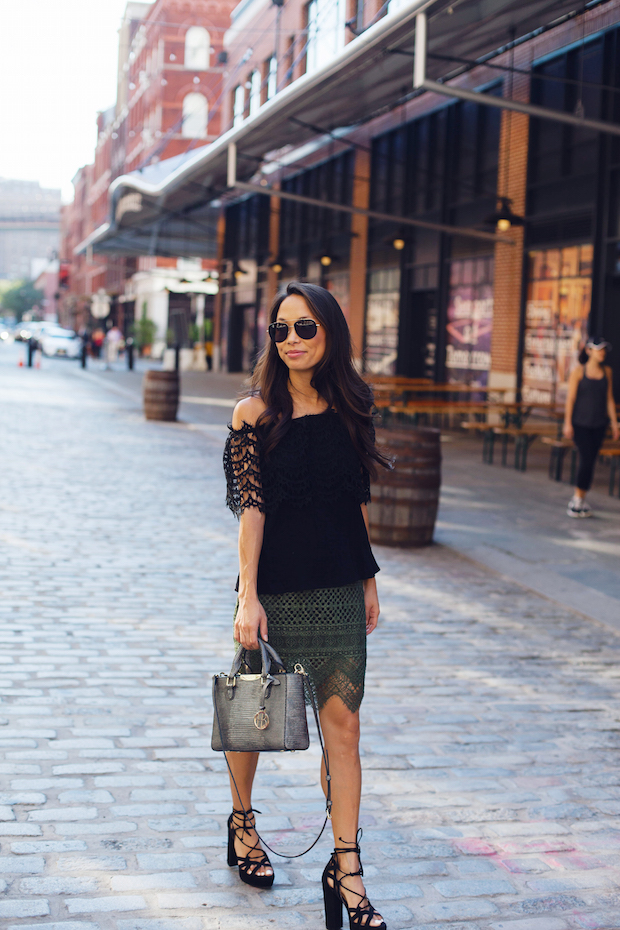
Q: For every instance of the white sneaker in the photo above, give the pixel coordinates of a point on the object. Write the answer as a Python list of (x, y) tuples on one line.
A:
[(578, 507)]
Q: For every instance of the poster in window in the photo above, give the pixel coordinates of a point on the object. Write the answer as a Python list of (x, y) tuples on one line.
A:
[(470, 321), (556, 317)]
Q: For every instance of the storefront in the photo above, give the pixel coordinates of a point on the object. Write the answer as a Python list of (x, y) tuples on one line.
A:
[(429, 306), (559, 292)]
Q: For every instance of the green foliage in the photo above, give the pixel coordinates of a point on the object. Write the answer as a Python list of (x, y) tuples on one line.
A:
[(201, 334), (21, 297), (144, 330)]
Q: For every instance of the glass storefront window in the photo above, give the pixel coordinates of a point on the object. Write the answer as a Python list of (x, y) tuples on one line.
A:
[(382, 321), (556, 317), (470, 321)]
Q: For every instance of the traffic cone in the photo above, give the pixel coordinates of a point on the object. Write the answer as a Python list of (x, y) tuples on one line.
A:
[(37, 363), (20, 363)]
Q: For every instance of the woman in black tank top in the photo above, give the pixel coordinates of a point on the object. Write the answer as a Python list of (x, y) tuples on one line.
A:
[(590, 408)]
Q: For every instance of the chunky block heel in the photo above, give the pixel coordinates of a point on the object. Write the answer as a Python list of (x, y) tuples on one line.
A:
[(232, 855), (360, 915), (332, 903)]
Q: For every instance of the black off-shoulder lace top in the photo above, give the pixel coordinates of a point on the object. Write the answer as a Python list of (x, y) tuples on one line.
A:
[(310, 488)]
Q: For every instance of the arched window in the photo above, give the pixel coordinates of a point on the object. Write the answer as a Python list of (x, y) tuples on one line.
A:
[(197, 48), (195, 116)]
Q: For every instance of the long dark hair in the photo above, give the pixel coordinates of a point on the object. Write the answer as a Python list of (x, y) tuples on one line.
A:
[(335, 379)]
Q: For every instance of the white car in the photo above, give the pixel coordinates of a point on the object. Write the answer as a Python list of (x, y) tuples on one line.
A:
[(58, 341)]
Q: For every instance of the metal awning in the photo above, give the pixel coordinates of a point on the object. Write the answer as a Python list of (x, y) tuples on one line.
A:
[(166, 211)]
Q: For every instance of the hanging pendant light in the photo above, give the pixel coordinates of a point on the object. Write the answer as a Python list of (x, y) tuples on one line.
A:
[(504, 218)]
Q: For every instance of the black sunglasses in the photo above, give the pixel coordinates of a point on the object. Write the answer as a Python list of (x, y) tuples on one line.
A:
[(305, 329)]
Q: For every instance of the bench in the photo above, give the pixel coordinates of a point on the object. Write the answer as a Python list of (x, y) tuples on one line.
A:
[(524, 437), (613, 454), (558, 449), (557, 453)]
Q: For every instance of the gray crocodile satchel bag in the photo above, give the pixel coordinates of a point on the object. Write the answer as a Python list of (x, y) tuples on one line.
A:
[(259, 712)]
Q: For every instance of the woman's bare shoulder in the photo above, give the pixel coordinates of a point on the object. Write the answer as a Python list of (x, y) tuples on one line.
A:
[(248, 411)]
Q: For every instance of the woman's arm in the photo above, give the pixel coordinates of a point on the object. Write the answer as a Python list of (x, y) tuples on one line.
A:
[(371, 598), (251, 617), (573, 384), (611, 406)]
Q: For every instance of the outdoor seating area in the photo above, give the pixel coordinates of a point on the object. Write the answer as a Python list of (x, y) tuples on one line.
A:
[(486, 413)]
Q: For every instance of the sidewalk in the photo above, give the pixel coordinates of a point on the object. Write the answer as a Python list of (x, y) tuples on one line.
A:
[(491, 795), (512, 522)]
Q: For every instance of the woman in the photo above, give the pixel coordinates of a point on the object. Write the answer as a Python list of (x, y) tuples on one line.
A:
[(298, 461), (590, 408)]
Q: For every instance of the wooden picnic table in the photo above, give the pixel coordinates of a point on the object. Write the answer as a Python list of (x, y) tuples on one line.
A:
[(510, 413), (524, 436)]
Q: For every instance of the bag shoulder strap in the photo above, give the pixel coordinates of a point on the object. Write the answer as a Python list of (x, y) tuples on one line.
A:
[(328, 778)]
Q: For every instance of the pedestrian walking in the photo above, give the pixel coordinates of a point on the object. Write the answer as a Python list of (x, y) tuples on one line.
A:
[(96, 341), (590, 409), (113, 340), (298, 463)]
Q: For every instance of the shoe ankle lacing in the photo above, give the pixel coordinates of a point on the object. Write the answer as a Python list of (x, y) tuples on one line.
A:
[(248, 822)]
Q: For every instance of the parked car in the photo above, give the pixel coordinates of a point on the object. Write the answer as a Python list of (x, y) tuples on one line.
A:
[(59, 342)]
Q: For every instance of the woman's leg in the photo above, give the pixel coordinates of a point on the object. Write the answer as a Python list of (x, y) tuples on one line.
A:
[(341, 732), (243, 768), (588, 442)]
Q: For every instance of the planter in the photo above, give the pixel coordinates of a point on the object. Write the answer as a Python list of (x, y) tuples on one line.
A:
[(404, 502), (161, 395), (189, 360)]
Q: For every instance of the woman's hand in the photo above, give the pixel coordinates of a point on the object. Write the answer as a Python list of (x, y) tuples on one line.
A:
[(371, 602), (251, 618), (568, 431), (615, 432)]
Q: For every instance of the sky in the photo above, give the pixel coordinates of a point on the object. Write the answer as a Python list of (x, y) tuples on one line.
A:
[(58, 63)]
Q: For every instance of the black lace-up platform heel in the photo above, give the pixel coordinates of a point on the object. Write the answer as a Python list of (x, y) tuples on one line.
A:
[(361, 915), (239, 823)]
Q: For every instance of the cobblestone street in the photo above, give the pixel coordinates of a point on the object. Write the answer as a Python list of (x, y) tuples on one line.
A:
[(490, 727)]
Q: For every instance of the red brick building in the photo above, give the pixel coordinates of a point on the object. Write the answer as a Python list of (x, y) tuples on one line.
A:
[(169, 98)]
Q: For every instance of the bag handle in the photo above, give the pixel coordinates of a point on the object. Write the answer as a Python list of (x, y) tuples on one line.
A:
[(267, 653), (328, 778)]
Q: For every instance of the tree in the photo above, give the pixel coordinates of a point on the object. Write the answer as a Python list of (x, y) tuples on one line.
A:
[(20, 298)]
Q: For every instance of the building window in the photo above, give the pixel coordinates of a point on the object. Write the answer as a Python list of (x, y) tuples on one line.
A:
[(197, 48), (255, 86), (272, 77), (326, 27), (238, 105), (382, 321), (195, 116), (556, 319), (562, 160)]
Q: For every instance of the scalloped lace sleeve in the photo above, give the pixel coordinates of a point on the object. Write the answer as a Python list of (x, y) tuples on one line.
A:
[(242, 469)]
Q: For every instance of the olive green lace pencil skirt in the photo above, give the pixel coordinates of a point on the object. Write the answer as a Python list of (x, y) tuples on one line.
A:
[(325, 631)]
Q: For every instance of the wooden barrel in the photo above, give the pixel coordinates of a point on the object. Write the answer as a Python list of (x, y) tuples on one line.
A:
[(160, 391), (404, 502)]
